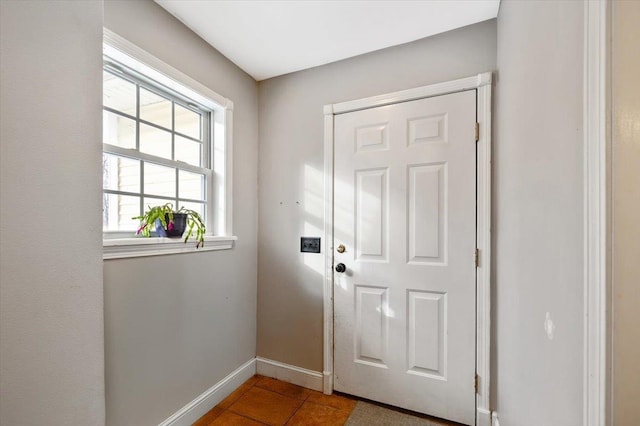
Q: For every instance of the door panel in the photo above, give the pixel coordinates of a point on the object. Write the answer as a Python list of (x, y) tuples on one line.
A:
[(426, 230), (371, 215), (404, 208), (427, 333), (372, 326)]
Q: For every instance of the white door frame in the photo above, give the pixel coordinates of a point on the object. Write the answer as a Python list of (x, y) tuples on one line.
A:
[(481, 82), (597, 404)]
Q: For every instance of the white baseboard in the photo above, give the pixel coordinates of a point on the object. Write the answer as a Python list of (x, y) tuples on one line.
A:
[(494, 419), (288, 373), (197, 408), (483, 417)]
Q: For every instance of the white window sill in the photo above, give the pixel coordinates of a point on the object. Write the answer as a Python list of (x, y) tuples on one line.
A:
[(119, 248)]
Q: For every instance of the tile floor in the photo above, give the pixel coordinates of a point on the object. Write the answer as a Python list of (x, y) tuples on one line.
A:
[(264, 401)]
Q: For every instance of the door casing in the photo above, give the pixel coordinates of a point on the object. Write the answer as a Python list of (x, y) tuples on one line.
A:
[(482, 83)]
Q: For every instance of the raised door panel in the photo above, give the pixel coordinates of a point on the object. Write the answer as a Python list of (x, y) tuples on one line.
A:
[(427, 213), (428, 129), (371, 214), (371, 325), (427, 334), (372, 137)]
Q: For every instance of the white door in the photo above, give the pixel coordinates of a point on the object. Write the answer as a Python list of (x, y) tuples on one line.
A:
[(405, 212)]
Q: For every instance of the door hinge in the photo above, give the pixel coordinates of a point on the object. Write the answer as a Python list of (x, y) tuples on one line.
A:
[(477, 132), (475, 382), (476, 257)]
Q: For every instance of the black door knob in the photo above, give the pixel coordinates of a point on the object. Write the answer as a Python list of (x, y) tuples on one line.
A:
[(340, 267)]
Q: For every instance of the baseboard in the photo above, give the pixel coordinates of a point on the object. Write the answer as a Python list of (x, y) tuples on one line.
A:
[(494, 419), (197, 408), (483, 417), (289, 373)]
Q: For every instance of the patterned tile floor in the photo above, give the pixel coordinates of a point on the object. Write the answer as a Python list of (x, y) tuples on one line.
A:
[(264, 401)]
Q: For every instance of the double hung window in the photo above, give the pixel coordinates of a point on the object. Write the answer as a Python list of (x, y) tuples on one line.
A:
[(166, 139), (156, 149)]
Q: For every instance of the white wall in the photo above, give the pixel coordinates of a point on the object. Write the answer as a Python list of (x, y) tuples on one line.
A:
[(51, 314), (176, 325), (626, 205), (291, 172), (537, 215)]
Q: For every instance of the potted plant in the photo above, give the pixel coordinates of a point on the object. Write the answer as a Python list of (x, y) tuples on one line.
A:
[(167, 222)]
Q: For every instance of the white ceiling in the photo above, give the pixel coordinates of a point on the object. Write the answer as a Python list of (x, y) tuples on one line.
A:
[(271, 38)]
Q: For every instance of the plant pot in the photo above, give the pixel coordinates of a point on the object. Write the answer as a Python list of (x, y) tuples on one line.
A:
[(179, 225)]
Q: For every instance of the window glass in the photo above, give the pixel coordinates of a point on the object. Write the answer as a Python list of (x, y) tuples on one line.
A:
[(187, 122), (120, 173), (159, 180), (155, 109), (118, 94), (197, 207), (118, 130), (118, 212), (155, 141), (188, 151), (191, 185)]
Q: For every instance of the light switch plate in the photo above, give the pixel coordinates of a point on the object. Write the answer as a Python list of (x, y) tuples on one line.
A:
[(310, 244)]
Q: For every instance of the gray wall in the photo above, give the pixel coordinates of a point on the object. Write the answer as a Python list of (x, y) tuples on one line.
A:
[(176, 325), (291, 169), (537, 215), (626, 205), (51, 316)]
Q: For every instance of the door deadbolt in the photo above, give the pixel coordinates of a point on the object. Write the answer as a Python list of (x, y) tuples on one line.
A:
[(340, 268), (341, 248)]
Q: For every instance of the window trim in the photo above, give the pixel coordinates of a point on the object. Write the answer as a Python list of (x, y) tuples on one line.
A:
[(220, 234)]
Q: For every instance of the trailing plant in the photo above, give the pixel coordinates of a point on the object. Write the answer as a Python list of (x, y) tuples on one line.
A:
[(164, 216)]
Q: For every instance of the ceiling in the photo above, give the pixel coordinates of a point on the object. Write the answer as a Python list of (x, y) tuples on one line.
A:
[(272, 37)]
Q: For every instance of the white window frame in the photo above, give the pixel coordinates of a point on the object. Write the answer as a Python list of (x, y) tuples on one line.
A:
[(219, 203), (204, 169)]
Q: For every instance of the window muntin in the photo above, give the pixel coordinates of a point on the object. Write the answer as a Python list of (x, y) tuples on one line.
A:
[(156, 149)]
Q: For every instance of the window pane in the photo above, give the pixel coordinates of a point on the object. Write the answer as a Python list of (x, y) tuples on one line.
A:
[(159, 180), (118, 93), (118, 212), (188, 151), (197, 207), (118, 130), (120, 173), (187, 122), (191, 185), (155, 108), (155, 141)]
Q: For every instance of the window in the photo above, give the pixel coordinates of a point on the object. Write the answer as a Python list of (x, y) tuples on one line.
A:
[(166, 139), (156, 149)]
